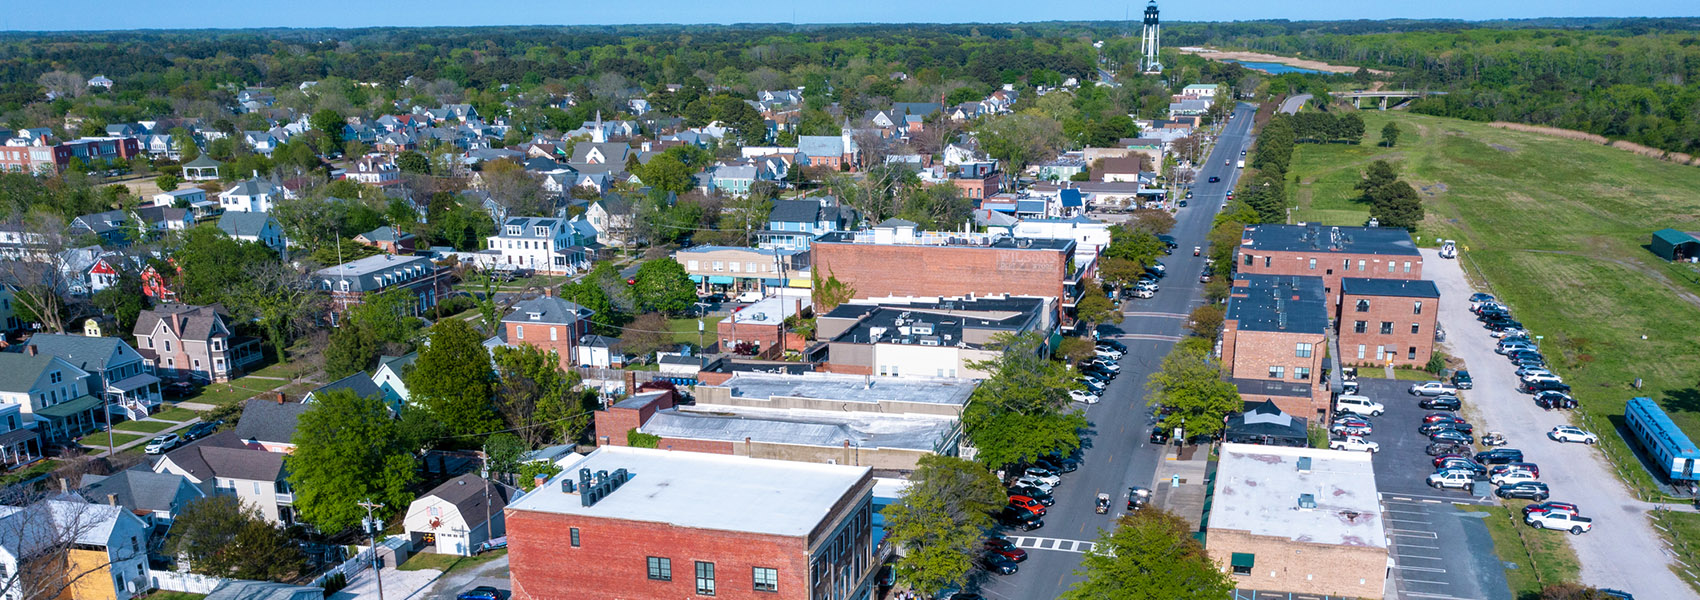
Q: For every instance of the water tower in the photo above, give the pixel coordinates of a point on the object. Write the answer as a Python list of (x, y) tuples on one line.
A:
[(1149, 39)]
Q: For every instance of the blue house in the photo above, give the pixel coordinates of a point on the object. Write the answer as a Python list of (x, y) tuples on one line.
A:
[(793, 224)]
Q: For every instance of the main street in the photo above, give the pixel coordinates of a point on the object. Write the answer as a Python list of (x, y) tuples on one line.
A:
[(1118, 452)]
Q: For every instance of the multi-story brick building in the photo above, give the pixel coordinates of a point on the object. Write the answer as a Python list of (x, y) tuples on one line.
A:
[(978, 181), (1387, 320), (925, 337), (1298, 521), (1274, 336), (548, 323), (635, 524), (349, 283), (893, 259), (1331, 253)]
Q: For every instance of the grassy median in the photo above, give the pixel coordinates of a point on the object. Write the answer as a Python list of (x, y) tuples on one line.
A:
[(1533, 558), (1681, 531)]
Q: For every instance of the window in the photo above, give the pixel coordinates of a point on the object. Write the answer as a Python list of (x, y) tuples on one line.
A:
[(435, 511), (1277, 372), (343, 285), (1360, 351), (1411, 353), (749, 267), (1360, 264), (55, 377), (660, 569), (767, 580), (691, 265), (1313, 264), (1407, 266), (1303, 350), (573, 533), (1242, 562), (1301, 373), (1266, 260), (1390, 266), (519, 330), (1417, 307), (1360, 327), (719, 266), (734, 266), (1415, 327), (554, 333), (1363, 306), (168, 342), (1248, 260), (705, 578), (1386, 327)]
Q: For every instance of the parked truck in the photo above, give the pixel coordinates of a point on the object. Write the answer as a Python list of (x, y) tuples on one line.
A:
[(1242, 163)]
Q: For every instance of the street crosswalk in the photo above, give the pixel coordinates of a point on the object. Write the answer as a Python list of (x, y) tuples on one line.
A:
[(1045, 543)]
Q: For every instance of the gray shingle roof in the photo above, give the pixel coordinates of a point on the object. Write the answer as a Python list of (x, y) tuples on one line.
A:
[(243, 223), (267, 420), (87, 353), (385, 234), (365, 275), (820, 145), (795, 211), (197, 321), (141, 490), (238, 589), (359, 383), (224, 455), (19, 371), (467, 494), (1403, 288), (547, 309)]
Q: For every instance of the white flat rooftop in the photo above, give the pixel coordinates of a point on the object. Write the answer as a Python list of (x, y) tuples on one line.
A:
[(804, 427), (1258, 489), (704, 491), (851, 388)]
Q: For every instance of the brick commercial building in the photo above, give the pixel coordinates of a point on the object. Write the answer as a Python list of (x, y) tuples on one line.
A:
[(635, 524), (1387, 320), (811, 417), (924, 337), (1274, 336), (762, 326), (1299, 521), (893, 259), (1331, 253)]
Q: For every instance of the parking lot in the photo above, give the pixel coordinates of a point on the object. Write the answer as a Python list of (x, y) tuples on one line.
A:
[(1439, 546)]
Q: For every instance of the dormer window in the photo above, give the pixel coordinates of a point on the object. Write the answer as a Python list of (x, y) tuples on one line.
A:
[(535, 316), (540, 231), (513, 230)]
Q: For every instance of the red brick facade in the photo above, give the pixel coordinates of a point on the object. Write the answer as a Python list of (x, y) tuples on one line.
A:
[(979, 188), (1388, 327), (879, 270), (1330, 266), (1250, 355), (562, 339)]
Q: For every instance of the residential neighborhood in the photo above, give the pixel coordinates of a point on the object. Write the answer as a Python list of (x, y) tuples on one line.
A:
[(1046, 310)]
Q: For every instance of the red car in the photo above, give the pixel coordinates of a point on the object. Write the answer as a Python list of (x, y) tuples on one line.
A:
[(1438, 417), (1442, 459), (1532, 468), (1006, 549), (1033, 506), (1551, 506)]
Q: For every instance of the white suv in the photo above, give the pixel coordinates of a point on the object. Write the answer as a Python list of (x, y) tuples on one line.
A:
[(1359, 405), (1450, 479)]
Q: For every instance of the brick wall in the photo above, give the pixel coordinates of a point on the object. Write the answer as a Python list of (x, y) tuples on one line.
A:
[(1287, 566), (613, 423), (1330, 266), (1402, 314), (1250, 354), (538, 335), (611, 559), (879, 270)]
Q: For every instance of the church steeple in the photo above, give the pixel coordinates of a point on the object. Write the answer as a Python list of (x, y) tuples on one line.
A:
[(599, 135)]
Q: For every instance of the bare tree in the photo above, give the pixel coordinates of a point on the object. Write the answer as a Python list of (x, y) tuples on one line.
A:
[(610, 87), (60, 83), (282, 300), (515, 192), (38, 269), (45, 545)]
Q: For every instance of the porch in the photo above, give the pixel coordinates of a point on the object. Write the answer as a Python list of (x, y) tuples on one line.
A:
[(66, 421)]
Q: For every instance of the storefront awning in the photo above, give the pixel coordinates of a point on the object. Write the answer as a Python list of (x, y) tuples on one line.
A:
[(1243, 559), (720, 279), (696, 278), (64, 410), (773, 282)]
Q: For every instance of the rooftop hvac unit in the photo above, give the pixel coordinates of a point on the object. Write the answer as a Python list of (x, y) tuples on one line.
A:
[(1307, 501), (922, 329), (1304, 465)]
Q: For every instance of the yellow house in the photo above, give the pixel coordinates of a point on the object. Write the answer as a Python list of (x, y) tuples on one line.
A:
[(86, 551)]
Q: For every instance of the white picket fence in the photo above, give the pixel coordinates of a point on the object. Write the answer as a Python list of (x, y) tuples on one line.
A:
[(359, 562), (184, 582)]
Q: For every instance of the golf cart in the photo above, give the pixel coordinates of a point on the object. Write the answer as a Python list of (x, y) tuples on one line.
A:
[(1493, 438), (1137, 498), (1103, 503)]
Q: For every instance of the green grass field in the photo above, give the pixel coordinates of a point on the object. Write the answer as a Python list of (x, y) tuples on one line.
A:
[(1557, 228), (1682, 530), (97, 439), (448, 562), (143, 426), (1541, 557), (685, 330), (176, 414)]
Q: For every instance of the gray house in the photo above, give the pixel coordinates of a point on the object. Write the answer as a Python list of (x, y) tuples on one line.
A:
[(116, 371)]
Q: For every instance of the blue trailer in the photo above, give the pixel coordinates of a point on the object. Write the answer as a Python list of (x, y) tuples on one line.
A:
[(1671, 451)]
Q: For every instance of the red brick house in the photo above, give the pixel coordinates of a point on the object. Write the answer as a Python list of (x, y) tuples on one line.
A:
[(1274, 336), (638, 524), (548, 323), (1387, 320), (388, 239), (1330, 253), (349, 283)]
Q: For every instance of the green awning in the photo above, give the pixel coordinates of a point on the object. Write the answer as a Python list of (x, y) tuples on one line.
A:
[(720, 279), (69, 409), (1242, 559), (696, 278)]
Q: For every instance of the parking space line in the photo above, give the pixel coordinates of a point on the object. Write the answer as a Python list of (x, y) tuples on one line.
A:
[(1408, 545), (1407, 521), (1423, 569), (1430, 535), (1408, 580)]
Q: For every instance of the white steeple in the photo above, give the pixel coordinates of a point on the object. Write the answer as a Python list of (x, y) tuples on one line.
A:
[(598, 134)]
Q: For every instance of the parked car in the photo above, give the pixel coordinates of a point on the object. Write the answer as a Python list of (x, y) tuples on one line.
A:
[(1544, 386), (1083, 396), (1459, 463), (1504, 333), (1143, 293), (1113, 345), (1005, 548), (1552, 400), (1433, 388), (163, 443), (1029, 480), (1441, 416), (1494, 438), (483, 592), (1505, 346), (1351, 426), (1528, 490), (1499, 456), (1442, 460), (1450, 479), (1532, 370), (1552, 505), (1444, 448), (200, 430), (1353, 443), (1441, 403), (1358, 405), (1044, 474), (1461, 380), (1159, 435), (1528, 467), (1019, 518), (1035, 493), (1570, 433), (1459, 426), (1059, 463), (1214, 179), (1031, 505), (1562, 521), (996, 563), (1451, 435), (182, 389), (1106, 365)]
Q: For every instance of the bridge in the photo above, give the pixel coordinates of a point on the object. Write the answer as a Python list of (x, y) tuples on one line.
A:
[(1401, 96)]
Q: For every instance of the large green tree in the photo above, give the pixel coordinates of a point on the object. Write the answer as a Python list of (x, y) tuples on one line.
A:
[(1149, 555), (1190, 382), (349, 449), (542, 403), (453, 379), (352, 349), (1396, 205), (664, 286), (220, 537), (1020, 139), (1022, 410), (939, 519)]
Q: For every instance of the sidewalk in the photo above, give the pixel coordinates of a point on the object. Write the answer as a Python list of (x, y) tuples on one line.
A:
[(1187, 465), (398, 584)]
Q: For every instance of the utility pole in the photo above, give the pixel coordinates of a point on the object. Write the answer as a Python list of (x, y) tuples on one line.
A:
[(374, 526)]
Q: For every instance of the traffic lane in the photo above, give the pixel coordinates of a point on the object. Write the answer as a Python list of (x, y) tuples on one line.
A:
[(1402, 465), (1620, 551)]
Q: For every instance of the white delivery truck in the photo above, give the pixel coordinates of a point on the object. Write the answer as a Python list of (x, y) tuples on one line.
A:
[(1242, 163)]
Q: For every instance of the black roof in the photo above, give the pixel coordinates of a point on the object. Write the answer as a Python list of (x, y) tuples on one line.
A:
[(1404, 288), (1278, 303), (1348, 240)]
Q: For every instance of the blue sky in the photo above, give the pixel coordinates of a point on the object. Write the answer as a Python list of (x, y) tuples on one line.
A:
[(156, 14)]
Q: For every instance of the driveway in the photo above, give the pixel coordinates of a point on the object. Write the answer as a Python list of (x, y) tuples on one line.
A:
[(1622, 551)]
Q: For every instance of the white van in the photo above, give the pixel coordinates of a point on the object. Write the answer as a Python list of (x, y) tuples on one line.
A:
[(1358, 405), (1449, 249)]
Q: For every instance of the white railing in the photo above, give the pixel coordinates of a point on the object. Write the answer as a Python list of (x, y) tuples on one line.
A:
[(175, 581)]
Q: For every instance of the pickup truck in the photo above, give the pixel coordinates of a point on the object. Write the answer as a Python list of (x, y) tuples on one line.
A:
[(1353, 443), (1560, 521), (1433, 388)]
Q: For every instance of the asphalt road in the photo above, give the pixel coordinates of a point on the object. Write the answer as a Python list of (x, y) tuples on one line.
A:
[(1293, 104), (1118, 453), (1622, 551)]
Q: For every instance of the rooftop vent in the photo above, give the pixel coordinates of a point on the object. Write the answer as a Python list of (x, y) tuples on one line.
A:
[(598, 486), (1307, 501), (1304, 465)]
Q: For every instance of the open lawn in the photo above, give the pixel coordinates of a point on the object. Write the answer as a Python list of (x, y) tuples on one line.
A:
[(1682, 531), (243, 388), (41, 467), (448, 562), (1557, 228), (98, 439), (1533, 558), (685, 330), (176, 414), (143, 426)]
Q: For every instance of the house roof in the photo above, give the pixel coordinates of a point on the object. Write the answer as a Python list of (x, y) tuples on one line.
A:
[(251, 187), (86, 353), (192, 322), (820, 145), (1403, 288), (201, 162), (547, 309), (1266, 419), (1278, 303), (224, 455), (467, 494), (237, 224), (267, 420), (1674, 237), (25, 530), (239, 589), (385, 234), (20, 371), (141, 490), (1258, 489), (365, 275), (359, 383), (1348, 240), (795, 211)]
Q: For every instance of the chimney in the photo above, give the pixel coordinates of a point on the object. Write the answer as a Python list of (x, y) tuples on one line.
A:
[(112, 499), (548, 292), (279, 397), (30, 349)]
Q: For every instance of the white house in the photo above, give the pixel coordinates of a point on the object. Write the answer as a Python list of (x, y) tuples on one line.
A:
[(1090, 237), (390, 378), (599, 351), (250, 195), (541, 244), (108, 546), (457, 516), (374, 169)]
